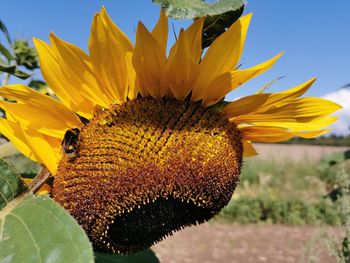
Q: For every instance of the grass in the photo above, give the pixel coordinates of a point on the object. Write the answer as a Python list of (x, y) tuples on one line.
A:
[(281, 179), (283, 192), (342, 251)]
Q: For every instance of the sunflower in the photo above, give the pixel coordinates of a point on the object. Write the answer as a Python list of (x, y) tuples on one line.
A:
[(141, 143)]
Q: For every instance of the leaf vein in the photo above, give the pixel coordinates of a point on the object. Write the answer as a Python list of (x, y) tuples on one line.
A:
[(2, 228), (58, 219), (13, 191), (4, 196), (30, 234)]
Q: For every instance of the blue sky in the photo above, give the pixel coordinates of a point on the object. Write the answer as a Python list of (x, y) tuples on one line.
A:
[(314, 34)]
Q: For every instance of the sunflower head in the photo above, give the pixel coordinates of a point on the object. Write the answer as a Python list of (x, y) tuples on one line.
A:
[(149, 167), (158, 149)]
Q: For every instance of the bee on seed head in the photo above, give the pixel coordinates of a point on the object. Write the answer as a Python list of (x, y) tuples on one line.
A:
[(70, 143)]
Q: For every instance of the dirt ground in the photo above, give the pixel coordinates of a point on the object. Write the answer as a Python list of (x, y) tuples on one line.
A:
[(211, 243)]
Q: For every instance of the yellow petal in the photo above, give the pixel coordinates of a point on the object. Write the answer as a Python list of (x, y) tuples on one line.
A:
[(37, 147), (310, 134), (14, 133), (274, 134), (40, 112), (132, 88), (160, 32), (265, 134), (299, 90), (180, 69), (120, 37), (248, 149), (47, 149), (222, 56), (76, 65), (127, 48), (148, 61), (194, 37), (229, 81), (298, 110), (264, 101), (108, 59), (314, 125), (183, 61), (59, 80)]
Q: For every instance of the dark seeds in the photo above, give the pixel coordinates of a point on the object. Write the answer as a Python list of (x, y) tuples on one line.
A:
[(147, 168), (152, 222)]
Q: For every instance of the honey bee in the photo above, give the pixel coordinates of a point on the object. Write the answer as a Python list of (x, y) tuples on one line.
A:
[(70, 143)]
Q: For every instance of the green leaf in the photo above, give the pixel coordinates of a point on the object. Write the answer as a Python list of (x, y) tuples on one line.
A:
[(5, 31), (37, 84), (14, 71), (181, 9), (215, 25), (146, 256), (23, 165), (6, 53), (35, 229), (7, 68), (10, 183)]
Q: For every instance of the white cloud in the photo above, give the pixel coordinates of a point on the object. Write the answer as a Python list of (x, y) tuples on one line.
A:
[(342, 97)]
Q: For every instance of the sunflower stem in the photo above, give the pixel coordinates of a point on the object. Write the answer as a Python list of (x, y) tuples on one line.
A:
[(39, 180), (6, 79)]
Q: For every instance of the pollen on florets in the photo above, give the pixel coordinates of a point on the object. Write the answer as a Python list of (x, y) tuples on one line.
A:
[(147, 168)]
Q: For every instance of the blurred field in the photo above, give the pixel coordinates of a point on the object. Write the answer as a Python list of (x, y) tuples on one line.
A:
[(297, 152), (282, 211)]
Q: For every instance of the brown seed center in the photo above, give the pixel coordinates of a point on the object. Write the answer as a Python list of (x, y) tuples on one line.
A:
[(147, 168)]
